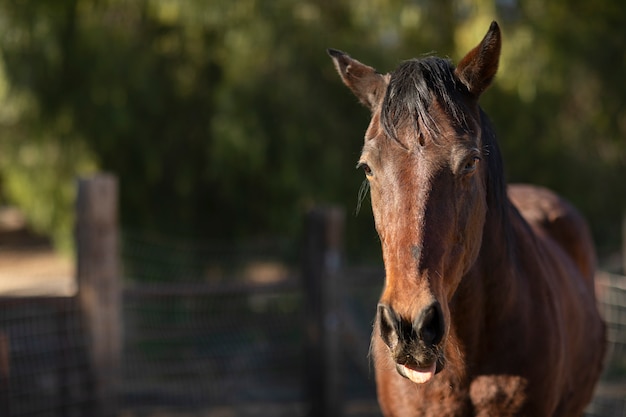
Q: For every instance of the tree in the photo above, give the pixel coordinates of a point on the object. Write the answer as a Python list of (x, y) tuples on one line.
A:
[(226, 119)]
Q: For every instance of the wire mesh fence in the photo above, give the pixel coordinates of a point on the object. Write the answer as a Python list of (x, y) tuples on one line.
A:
[(44, 369), (218, 330), (210, 325), (611, 291), (201, 350), (610, 397), (227, 329), (246, 348)]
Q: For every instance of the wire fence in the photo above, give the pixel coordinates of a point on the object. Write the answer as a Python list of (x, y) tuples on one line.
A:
[(226, 329), (217, 329), (247, 348), (212, 350), (610, 397), (44, 369), (612, 304), (197, 335)]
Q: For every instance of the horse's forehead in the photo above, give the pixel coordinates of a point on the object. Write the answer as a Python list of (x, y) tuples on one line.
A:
[(416, 132)]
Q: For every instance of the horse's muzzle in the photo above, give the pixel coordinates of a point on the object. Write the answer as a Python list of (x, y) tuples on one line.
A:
[(414, 346)]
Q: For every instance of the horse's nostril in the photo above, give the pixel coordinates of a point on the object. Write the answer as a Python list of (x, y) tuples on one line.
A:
[(388, 325), (429, 326)]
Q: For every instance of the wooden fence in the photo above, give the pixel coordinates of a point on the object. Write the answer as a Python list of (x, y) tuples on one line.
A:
[(99, 284), (89, 328), (100, 295), (68, 348), (97, 307)]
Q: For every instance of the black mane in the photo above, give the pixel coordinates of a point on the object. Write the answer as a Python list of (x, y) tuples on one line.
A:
[(413, 87)]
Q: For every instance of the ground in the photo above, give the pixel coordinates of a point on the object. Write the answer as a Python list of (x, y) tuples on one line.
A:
[(28, 263)]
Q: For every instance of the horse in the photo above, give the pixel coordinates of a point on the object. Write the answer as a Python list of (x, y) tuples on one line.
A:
[(488, 305)]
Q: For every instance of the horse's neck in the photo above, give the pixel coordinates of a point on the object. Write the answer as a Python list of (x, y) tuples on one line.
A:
[(497, 264), (491, 288)]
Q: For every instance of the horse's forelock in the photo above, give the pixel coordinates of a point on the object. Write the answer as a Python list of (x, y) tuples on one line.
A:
[(413, 86)]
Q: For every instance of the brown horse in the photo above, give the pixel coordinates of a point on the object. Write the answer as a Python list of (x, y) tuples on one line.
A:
[(488, 306)]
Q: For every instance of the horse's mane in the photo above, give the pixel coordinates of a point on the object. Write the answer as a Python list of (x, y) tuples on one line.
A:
[(497, 199)]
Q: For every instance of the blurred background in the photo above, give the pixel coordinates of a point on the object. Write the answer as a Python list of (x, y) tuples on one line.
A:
[(226, 119), (224, 122)]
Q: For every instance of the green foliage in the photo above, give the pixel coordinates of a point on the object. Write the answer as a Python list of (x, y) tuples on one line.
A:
[(226, 119), (559, 105)]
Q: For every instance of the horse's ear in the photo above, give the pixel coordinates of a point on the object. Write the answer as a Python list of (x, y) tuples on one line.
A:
[(367, 85), (478, 68)]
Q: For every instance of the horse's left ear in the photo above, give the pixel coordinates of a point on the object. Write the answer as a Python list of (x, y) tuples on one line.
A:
[(478, 68), (367, 85)]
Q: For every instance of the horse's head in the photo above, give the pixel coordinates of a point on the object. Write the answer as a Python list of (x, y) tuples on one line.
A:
[(424, 160)]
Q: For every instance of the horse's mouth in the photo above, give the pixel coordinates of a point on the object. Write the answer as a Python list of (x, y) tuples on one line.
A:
[(419, 374)]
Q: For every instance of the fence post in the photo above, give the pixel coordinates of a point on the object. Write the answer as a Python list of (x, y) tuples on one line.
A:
[(322, 248), (98, 284)]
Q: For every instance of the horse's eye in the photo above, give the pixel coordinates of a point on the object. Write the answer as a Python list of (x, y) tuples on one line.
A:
[(366, 168), (470, 165)]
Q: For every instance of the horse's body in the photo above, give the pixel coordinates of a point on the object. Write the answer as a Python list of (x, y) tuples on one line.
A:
[(488, 307), (532, 365)]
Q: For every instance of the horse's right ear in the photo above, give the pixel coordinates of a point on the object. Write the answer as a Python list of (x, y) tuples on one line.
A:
[(367, 85)]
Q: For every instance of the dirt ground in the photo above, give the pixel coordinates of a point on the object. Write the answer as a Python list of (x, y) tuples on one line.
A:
[(28, 263)]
